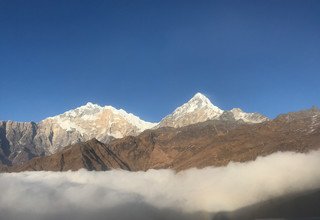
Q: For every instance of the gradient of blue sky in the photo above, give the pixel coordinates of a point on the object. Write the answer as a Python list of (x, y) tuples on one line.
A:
[(148, 57)]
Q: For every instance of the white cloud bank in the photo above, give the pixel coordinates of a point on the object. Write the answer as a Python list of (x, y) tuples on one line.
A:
[(155, 194)]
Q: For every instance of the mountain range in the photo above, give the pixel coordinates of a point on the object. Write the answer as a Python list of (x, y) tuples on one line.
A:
[(197, 134), (211, 143), (22, 141)]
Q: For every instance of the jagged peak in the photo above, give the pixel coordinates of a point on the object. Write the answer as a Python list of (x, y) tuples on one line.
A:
[(90, 105), (236, 110), (87, 109), (90, 112), (198, 101), (199, 97)]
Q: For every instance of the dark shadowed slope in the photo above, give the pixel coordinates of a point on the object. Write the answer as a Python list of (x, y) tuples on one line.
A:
[(91, 155), (299, 206)]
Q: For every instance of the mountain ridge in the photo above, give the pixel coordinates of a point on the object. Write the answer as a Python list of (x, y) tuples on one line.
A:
[(199, 109), (19, 142), (210, 143)]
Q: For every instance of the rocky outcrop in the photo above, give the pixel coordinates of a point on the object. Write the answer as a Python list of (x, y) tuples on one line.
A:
[(17, 142)]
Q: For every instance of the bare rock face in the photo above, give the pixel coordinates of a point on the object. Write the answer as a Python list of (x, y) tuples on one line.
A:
[(51, 137), (17, 142)]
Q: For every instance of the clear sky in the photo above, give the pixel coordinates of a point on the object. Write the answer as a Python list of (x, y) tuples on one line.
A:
[(148, 57)]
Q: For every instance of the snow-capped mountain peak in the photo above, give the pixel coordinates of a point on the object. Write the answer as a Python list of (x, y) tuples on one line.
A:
[(89, 106), (98, 114), (85, 110), (197, 102), (198, 109), (92, 121), (200, 97)]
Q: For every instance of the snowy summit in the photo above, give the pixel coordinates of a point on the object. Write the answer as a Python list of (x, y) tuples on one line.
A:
[(199, 109)]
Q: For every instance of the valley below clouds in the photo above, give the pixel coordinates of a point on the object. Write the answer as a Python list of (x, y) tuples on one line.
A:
[(156, 194)]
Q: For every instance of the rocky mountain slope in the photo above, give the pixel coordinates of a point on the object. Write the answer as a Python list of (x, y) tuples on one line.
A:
[(216, 143), (17, 142), (90, 155), (211, 143), (21, 141)]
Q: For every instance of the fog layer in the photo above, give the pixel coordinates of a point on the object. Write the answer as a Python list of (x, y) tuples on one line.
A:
[(155, 194)]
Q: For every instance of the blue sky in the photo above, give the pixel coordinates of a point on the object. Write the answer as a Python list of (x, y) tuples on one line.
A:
[(148, 57)]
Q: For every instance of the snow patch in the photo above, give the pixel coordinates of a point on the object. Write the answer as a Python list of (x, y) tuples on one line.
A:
[(247, 117)]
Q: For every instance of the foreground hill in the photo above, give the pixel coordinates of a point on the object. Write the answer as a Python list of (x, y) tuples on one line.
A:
[(297, 206), (90, 155), (210, 143)]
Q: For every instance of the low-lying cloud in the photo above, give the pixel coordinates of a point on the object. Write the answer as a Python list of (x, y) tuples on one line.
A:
[(155, 194)]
